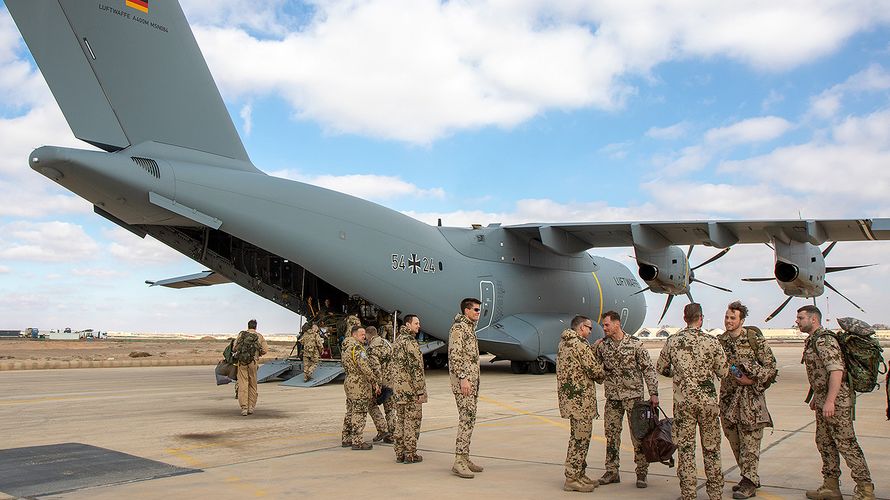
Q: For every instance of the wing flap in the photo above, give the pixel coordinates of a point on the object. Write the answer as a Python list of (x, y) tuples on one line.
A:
[(204, 278)]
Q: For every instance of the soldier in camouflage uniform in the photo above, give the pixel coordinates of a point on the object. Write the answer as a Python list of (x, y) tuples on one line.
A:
[(743, 410), (247, 382), (626, 363), (379, 354), (832, 401), (409, 390), (359, 386), (463, 368), (694, 358), (577, 368), (313, 345)]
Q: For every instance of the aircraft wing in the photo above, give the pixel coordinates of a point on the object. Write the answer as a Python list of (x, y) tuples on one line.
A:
[(204, 278), (573, 237)]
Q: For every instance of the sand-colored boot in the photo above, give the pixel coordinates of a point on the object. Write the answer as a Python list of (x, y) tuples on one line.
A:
[(576, 484), (460, 467), (830, 490), (864, 491), (473, 467)]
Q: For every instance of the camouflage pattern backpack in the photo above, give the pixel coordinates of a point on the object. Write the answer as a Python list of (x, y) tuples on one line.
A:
[(863, 355), (247, 348)]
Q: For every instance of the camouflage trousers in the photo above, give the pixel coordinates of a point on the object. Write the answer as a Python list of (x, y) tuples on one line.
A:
[(745, 444), (408, 420), (247, 388), (705, 417), (309, 366), (579, 444), (836, 436), (387, 424), (354, 421), (614, 411), (466, 416)]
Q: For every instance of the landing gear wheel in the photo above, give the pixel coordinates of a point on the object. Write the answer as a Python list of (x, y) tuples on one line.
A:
[(539, 366), (518, 367)]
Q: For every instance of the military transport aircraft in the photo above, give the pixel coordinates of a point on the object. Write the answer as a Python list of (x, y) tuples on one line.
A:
[(131, 80)]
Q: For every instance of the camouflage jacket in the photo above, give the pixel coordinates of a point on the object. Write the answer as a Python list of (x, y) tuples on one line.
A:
[(406, 367), (463, 352), (822, 355), (626, 364), (577, 368), (693, 358), (380, 355), (746, 404), (359, 382), (312, 343)]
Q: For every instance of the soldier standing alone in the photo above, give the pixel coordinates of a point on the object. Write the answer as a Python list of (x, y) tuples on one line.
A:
[(379, 354), (743, 410), (463, 368), (248, 348), (313, 345), (832, 401), (693, 358), (626, 363), (359, 387), (409, 390), (577, 368)]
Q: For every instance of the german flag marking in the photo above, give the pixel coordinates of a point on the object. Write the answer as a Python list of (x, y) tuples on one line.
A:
[(138, 5)]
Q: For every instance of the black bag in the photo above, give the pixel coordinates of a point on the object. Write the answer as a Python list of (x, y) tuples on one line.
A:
[(658, 446), (385, 393), (225, 372), (643, 418)]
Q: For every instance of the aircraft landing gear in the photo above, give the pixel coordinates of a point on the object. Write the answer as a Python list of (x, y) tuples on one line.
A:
[(519, 367), (539, 366)]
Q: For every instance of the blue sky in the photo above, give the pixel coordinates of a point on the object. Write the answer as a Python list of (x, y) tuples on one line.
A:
[(481, 112)]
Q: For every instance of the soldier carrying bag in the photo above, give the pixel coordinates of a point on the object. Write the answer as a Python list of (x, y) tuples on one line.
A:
[(658, 446)]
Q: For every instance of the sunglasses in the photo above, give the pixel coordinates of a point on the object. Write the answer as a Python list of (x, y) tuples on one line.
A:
[(476, 309)]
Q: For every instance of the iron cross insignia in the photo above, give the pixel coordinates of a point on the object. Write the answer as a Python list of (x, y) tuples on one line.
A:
[(414, 263)]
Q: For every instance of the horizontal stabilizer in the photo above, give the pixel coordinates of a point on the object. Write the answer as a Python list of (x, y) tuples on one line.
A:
[(205, 278)]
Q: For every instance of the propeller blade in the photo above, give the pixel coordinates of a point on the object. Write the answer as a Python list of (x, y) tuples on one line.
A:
[(689, 252), (641, 291), (835, 269), (689, 296), (828, 248), (833, 289), (779, 309), (666, 306), (770, 246), (712, 286), (758, 279), (721, 253)]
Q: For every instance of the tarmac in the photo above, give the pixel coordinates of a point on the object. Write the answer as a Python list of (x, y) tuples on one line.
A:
[(169, 432)]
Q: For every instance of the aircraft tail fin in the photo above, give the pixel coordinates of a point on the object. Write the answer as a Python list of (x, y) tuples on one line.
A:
[(126, 72)]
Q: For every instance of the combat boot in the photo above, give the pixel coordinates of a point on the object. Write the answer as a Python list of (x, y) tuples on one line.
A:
[(609, 478), (473, 467), (460, 467), (830, 490), (244, 412), (864, 491), (576, 484), (746, 489), (587, 480), (379, 437), (400, 457), (388, 438), (363, 446), (345, 444), (413, 458), (641, 481)]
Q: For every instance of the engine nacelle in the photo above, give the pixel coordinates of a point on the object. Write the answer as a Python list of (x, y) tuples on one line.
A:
[(799, 269), (665, 270)]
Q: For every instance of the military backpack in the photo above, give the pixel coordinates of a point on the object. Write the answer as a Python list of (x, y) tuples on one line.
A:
[(247, 348), (863, 356)]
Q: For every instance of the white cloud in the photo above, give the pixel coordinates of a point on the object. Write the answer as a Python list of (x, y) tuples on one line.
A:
[(771, 100), (828, 103), (366, 186), (670, 132), (128, 247), (46, 242), (760, 129), (616, 150), (416, 70), (5, 270)]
